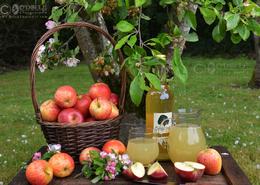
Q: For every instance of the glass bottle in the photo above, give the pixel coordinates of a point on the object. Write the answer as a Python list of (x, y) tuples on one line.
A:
[(159, 112)]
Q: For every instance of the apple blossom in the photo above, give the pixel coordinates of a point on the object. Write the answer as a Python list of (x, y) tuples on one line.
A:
[(50, 24), (37, 156), (54, 148), (42, 67), (71, 62)]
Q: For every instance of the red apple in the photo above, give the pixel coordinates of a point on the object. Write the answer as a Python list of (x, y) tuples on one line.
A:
[(49, 111), (211, 159), (135, 171), (39, 172), (62, 164), (156, 171), (100, 108), (83, 104), (85, 155), (114, 112), (90, 119), (114, 145), (114, 98), (65, 96), (99, 90), (70, 115), (189, 171)]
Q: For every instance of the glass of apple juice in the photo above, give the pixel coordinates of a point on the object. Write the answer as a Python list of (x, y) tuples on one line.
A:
[(142, 147), (186, 138)]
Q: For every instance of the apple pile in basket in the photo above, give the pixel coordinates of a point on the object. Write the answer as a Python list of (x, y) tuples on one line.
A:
[(68, 107)]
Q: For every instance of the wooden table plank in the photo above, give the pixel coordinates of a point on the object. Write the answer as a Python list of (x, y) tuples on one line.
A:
[(231, 174), (231, 169)]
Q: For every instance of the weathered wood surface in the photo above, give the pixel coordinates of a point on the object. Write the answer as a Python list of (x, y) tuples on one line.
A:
[(231, 175)]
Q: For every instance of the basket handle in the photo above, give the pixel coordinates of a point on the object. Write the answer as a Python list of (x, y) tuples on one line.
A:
[(71, 25)]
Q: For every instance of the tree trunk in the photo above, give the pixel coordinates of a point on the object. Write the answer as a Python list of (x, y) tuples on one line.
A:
[(90, 42), (255, 81), (185, 29)]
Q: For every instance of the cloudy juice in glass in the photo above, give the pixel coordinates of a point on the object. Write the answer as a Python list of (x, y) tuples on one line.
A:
[(142, 147), (186, 138)]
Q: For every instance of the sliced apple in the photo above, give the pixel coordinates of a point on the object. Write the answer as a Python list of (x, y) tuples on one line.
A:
[(156, 171), (189, 171), (135, 171)]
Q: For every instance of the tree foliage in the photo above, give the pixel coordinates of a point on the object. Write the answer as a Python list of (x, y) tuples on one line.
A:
[(150, 62)]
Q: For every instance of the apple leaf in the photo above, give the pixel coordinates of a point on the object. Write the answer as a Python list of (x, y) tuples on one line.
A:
[(136, 92), (124, 26)]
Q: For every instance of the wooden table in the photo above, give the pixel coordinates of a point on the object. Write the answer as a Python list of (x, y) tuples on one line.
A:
[(231, 174)]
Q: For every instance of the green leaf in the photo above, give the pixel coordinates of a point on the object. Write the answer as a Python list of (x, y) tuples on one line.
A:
[(154, 80), (56, 13), (128, 51), (96, 179), (254, 26), (235, 38), (136, 93), (166, 2), (158, 54), (232, 20), (140, 50), (238, 2), (176, 31), (83, 3), (192, 37), (143, 85), (124, 26), (219, 31), (131, 42), (243, 31), (121, 42), (73, 17), (97, 7), (145, 17), (256, 12), (179, 68), (208, 15), (190, 19), (139, 3)]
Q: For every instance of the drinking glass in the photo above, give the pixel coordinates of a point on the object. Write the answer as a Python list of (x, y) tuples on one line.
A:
[(186, 137), (141, 146)]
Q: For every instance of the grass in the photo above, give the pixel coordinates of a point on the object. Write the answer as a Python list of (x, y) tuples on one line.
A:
[(230, 116)]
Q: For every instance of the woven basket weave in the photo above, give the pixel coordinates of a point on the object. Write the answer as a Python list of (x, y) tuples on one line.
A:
[(76, 137)]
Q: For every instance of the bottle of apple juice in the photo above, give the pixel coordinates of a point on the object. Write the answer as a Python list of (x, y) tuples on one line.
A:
[(159, 113)]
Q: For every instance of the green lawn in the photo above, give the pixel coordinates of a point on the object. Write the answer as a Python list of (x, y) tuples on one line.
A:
[(231, 111)]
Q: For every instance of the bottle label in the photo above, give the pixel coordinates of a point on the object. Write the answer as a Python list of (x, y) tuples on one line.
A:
[(162, 123)]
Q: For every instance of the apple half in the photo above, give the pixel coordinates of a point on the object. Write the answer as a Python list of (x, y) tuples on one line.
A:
[(189, 171), (156, 171), (135, 171)]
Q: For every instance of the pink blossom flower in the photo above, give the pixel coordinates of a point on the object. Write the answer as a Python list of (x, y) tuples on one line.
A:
[(106, 178), (103, 154), (112, 156), (50, 24), (113, 163), (36, 156)]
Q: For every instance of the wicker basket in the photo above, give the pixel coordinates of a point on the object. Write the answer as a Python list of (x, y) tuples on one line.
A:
[(76, 137)]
